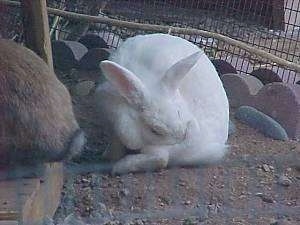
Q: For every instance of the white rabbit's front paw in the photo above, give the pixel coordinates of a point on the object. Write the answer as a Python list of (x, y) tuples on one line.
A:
[(140, 163)]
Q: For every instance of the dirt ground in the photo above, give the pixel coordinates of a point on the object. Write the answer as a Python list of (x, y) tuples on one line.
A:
[(258, 183)]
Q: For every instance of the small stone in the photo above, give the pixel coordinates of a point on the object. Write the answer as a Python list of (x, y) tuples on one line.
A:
[(113, 222), (264, 197), (272, 220), (267, 199), (182, 184), (138, 222), (284, 181), (271, 167), (266, 168), (187, 202), (164, 199), (213, 208), (102, 207), (84, 180), (124, 192)]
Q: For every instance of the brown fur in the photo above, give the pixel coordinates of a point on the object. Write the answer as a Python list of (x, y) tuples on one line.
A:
[(36, 116)]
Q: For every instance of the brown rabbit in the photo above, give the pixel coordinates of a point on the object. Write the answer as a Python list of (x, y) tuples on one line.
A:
[(37, 123)]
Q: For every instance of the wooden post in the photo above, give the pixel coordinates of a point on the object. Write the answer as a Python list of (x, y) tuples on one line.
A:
[(36, 28)]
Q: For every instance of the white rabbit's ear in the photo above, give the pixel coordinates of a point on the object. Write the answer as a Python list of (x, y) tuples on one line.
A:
[(177, 72), (127, 84)]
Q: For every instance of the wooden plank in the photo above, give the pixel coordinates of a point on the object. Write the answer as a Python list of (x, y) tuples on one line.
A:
[(6, 222), (36, 32), (30, 200), (16, 195), (47, 198)]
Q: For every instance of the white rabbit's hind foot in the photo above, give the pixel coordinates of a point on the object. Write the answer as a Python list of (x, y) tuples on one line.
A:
[(140, 163)]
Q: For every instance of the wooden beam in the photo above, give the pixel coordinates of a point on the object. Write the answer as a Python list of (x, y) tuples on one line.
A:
[(36, 28)]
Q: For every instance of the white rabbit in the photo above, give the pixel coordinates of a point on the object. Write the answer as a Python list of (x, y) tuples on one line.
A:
[(164, 97)]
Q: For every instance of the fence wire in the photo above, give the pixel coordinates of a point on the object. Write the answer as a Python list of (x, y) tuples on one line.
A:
[(273, 26), (269, 25)]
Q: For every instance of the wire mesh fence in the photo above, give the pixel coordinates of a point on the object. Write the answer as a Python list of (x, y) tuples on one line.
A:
[(269, 25), (241, 190)]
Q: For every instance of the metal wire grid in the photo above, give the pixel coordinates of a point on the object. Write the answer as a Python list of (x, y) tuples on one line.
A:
[(270, 25), (247, 21), (265, 24), (11, 23)]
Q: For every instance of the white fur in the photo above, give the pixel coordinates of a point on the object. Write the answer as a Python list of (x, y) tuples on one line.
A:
[(168, 84)]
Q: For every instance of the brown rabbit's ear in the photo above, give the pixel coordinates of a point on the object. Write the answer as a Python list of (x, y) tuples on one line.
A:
[(126, 83), (179, 70)]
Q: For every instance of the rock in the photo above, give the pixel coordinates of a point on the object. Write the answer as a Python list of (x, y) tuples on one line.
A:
[(92, 59), (261, 122), (102, 207), (93, 41), (136, 222), (267, 199), (124, 192), (213, 208), (66, 54), (271, 167), (187, 202), (240, 89), (298, 82), (281, 101), (266, 76), (231, 128), (223, 67), (84, 180), (284, 181), (83, 88), (113, 222), (266, 168)]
